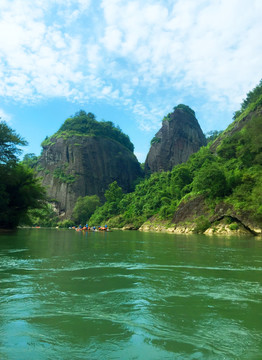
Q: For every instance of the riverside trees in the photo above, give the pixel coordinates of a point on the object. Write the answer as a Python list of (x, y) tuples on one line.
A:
[(19, 189)]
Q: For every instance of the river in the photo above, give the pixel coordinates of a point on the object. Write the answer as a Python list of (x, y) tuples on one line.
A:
[(129, 295)]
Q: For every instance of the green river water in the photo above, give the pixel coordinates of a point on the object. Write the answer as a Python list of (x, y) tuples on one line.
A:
[(129, 295)]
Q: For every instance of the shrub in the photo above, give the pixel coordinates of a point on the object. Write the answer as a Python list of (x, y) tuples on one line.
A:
[(202, 224), (155, 140), (234, 226), (85, 207), (185, 108)]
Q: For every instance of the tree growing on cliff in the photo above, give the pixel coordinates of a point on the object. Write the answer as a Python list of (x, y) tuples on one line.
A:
[(85, 124), (186, 108)]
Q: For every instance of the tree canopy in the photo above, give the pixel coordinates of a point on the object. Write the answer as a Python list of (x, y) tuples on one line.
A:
[(9, 144), (186, 108), (85, 207), (20, 191), (83, 123)]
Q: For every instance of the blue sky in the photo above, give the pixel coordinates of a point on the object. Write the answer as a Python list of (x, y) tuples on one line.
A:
[(129, 62)]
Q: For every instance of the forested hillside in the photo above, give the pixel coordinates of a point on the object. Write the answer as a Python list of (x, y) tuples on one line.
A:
[(224, 177)]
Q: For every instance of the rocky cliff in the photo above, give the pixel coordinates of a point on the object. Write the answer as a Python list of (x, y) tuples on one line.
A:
[(179, 137), (73, 165)]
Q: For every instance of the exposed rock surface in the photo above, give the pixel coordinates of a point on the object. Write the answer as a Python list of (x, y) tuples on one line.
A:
[(223, 220), (85, 165), (226, 229), (188, 211), (179, 137), (191, 211)]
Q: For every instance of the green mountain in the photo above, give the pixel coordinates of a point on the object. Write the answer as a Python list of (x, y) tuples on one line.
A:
[(85, 124), (219, 189), (82, 158)]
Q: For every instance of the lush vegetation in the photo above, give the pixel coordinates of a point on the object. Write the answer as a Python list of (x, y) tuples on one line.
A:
[(183, 107), (252, 97), (155, 140), (186, 108), (212, 135), (45, 216), (233, 175), (85, 124), (61, 173), (84, 208), (20, 191)]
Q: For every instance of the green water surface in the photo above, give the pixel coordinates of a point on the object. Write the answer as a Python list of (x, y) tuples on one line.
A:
[(129, 295)]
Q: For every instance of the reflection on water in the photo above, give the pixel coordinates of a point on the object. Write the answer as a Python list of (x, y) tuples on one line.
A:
[(129, 295)]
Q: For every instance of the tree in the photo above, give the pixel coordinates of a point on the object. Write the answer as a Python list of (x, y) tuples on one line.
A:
[(20, 191), (9, 142), (212, 135), (252, 96), (114, 193), (181, 176), (210, 180), (30, 160), (85, 207)]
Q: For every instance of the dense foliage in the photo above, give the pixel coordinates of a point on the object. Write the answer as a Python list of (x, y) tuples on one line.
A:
[(9, 142), (45, 216), (85, 124), (30, 160), (84, 208), (20, 191), (183, 107), (113, 196), (186, 108)]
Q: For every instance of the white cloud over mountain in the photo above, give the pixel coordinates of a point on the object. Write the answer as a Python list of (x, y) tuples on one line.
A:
[(141, 54)]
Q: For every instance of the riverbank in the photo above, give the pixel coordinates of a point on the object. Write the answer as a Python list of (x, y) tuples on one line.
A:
[(224, 227)]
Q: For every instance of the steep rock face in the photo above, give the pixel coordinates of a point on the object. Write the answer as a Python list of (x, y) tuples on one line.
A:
[(85, 165), (179, 137)]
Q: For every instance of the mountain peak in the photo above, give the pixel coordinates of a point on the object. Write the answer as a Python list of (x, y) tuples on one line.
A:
[(179, 137)]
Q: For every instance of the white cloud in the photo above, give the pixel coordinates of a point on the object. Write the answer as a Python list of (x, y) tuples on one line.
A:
[(5, 117), (132, 52), (212, 47), (112, 38)]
